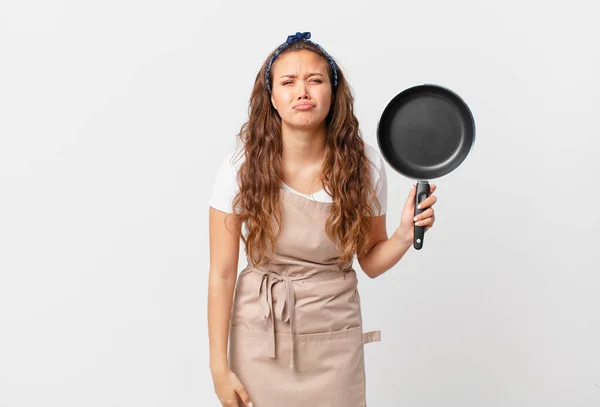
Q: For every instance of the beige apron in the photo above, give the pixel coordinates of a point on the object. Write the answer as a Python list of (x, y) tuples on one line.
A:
[(296, 336)]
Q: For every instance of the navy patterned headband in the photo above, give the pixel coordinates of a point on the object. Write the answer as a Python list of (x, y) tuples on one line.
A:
[(292, 39)]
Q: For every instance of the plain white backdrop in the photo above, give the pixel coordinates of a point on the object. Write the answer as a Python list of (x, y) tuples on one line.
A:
[(115, 115)]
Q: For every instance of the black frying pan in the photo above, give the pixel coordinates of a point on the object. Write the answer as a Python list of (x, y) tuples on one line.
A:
[(425, 132)]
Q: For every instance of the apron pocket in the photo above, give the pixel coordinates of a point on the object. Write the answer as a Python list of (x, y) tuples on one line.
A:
[(329, 366), (335, 358)]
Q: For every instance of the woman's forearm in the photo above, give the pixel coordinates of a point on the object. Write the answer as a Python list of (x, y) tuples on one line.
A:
[(221, 287), (384, 255)]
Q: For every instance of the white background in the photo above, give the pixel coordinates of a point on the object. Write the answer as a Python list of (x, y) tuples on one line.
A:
[(115, 115)]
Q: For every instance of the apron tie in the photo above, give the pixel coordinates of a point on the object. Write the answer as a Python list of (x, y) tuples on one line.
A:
[(284, 308)]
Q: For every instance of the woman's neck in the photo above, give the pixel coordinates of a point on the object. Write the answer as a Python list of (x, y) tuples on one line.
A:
[(303, 147)]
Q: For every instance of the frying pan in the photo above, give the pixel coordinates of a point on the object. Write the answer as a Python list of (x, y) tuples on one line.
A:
[(425, 132)]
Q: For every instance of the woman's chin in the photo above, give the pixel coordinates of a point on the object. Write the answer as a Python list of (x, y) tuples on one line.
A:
[(306, 123)]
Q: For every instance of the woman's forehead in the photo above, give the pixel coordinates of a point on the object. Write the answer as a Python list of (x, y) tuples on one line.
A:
[(297, 62)]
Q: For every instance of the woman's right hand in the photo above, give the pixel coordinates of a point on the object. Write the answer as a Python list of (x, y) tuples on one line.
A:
[(227, 385)]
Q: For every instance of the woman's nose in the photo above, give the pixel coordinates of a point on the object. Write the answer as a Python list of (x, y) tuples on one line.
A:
[(303, 93), (302, 90)]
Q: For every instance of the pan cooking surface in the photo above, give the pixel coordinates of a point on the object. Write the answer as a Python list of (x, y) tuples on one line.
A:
[(425, 132)]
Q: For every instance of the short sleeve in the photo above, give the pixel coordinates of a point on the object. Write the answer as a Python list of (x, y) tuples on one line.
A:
[(225, 186), (380, 182), (378, 179)]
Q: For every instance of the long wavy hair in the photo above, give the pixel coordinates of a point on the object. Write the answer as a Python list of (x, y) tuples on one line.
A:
[(345, 171)]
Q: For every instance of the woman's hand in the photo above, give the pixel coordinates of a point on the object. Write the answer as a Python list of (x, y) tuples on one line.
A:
[(406, 230), (227, 387)]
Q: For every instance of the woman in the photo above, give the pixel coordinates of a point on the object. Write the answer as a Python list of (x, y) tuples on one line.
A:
[(310, 195)]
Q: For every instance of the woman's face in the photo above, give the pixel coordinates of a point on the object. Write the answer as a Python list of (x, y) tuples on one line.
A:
[(301, 91)]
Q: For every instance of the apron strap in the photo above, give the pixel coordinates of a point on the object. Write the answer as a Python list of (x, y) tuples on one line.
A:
[(371, 336)]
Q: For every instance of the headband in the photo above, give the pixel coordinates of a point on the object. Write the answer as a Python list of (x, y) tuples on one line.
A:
[(290, 40)]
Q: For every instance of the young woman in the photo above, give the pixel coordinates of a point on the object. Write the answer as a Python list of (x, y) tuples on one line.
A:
[(310, 194)]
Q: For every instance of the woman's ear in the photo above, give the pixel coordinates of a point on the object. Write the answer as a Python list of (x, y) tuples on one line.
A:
[(273, 102)]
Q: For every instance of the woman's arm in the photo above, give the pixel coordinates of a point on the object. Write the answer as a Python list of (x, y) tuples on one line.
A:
[(225, 230), (383, 252)]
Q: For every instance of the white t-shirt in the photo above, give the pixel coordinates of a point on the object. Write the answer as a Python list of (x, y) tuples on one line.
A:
[(226, 187)]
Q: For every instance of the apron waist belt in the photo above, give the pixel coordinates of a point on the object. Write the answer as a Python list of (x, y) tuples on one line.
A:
[(285, 306)]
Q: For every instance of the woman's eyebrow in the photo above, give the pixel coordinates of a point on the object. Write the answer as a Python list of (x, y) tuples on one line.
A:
[(295, 76)]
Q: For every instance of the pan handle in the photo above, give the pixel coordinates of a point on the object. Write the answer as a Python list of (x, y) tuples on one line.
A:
[(421, 194)]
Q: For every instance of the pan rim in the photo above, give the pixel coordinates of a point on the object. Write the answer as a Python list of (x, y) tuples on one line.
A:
[(416, 88)]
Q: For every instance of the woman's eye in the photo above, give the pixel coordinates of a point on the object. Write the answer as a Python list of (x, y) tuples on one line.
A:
[(313, 81)]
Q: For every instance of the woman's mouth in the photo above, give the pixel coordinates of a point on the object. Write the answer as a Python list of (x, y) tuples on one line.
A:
[(303, 106)]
